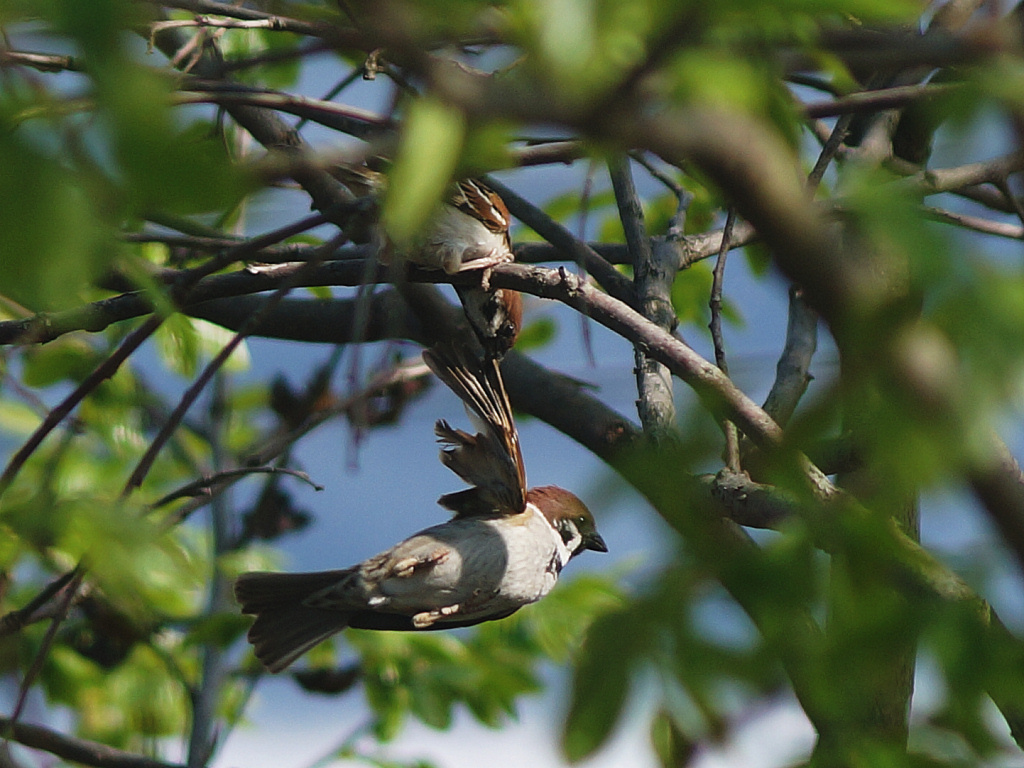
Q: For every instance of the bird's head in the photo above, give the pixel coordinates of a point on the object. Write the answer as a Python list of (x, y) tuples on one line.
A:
[(569, 517), (495, 316)]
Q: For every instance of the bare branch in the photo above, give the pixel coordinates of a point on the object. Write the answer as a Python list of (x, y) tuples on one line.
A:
[(44, 62), (653, 280), (976, 223), (561, 238), (202, 486), (874, 101), (15, 621), (732, 443), (77, 750), (337, 35), (792, 371), (66, 595), (146, 462), (101, 373), (356, 122), (999, 484)]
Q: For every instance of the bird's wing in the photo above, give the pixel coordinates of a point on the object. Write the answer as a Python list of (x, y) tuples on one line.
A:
[(490, 460), (475, 198)]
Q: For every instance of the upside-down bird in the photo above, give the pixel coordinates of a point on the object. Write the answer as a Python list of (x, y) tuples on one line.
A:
[(504, 547), (469, 231)]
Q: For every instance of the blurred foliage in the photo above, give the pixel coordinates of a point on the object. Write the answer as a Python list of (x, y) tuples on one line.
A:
[(820, 611)]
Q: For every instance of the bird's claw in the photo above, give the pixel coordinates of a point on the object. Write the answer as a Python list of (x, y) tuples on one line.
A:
[(407, 566), (428, 618)]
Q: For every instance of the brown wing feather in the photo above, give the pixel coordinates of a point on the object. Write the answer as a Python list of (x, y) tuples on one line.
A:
[(474, 197), (490, 460)]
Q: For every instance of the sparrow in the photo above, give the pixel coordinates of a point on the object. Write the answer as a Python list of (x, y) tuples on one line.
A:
[(470, 231), (504, 547)]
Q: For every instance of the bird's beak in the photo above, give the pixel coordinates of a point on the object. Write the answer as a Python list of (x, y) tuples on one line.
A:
[(595, 542)]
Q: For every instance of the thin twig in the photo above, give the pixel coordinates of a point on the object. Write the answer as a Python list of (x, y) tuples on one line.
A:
[(976, 223), (1003, 185), (283, 23), (203, 485), (100, 373), (204, 695), (351, 120), (15, 621), (276, 56), (829, 151), (70, 590), (190, 395), (875, 101), (275, 445), (340, 86), (677, 189), (109, 366), (732, 444), (44, 62), (581, 271)]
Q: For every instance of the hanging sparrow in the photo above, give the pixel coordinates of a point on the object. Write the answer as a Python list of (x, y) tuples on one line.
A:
[(472, 232), (503, 549), (469, 232)]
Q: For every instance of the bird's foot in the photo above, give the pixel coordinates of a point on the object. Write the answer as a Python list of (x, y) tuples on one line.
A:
[(429, 618), (407, 566)]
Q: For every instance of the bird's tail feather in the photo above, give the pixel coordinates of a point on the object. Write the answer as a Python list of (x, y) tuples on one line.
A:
[(285, 628)]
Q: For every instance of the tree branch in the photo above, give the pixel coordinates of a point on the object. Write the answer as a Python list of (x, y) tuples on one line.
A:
[(792, 371), (653, 284), (78, 750), (578, 251)]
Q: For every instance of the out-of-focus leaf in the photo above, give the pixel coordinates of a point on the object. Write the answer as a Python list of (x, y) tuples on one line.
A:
[(486, 148), (185, 343), (69, 358), (671, 745), (569, 204), (536, 334), (601, 682), (219, 630), (177, 343), (429, 148), (52, 244), (691, 292), (17, 417), (140, 566), (255, 557), (559, 622)]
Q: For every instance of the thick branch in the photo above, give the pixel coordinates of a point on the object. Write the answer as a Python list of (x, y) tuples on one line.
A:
[(792, 371), (563, 239), (653, 281)]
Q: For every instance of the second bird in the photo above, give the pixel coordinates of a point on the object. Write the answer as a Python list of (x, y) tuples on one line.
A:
[(503, 549)]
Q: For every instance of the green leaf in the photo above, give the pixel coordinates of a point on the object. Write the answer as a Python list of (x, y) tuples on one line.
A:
[(70, 358), (145, 569), (219, 630), (600, 684), (428, 151), (18, 418), (51, 242), (186, 342), (670, 743), (536, 334)]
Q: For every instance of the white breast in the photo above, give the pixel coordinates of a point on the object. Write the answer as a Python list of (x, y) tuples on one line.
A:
[(490, 566), (457, 238)]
